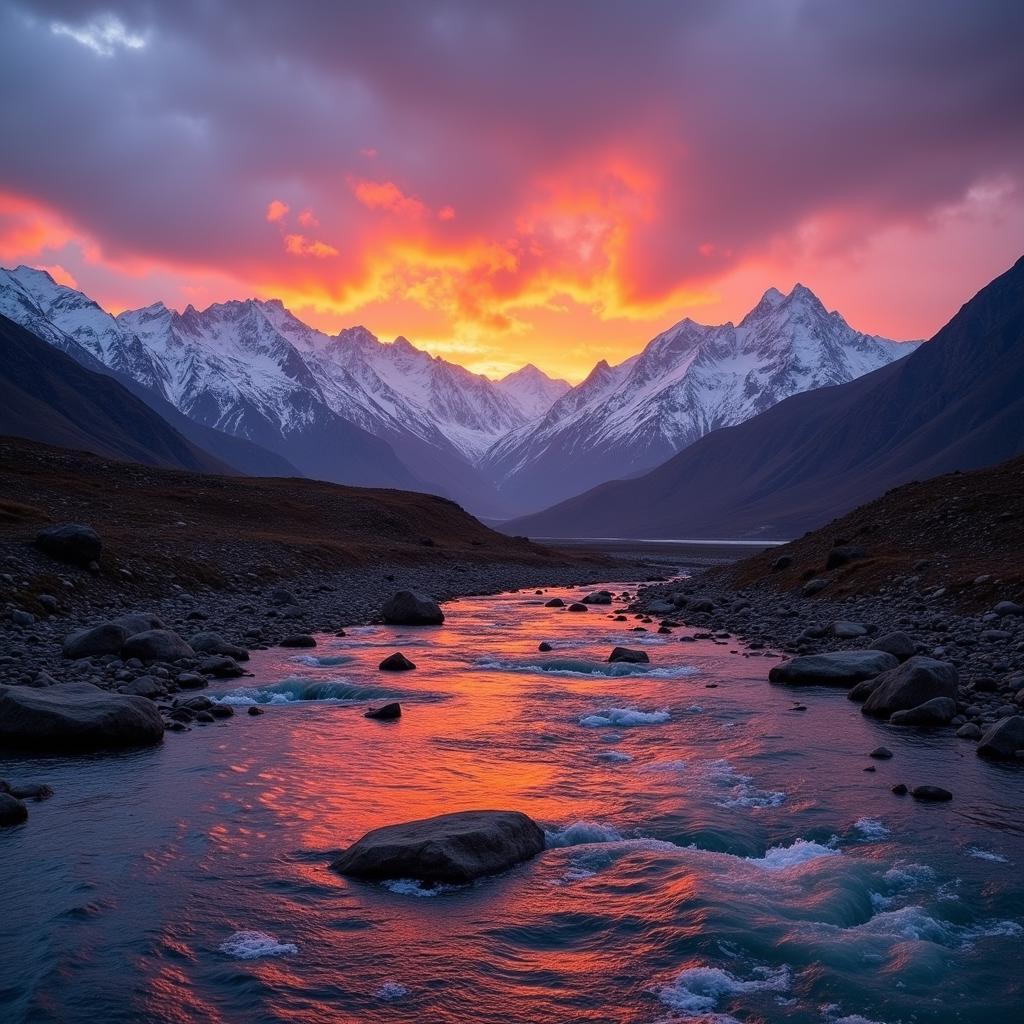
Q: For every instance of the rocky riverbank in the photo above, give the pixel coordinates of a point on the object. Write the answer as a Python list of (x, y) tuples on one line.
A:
[(961, 670)]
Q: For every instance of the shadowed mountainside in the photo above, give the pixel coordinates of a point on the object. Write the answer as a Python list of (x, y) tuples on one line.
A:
[(47, 396), (955, 403)]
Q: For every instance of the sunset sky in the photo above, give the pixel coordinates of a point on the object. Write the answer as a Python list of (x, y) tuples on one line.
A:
[(507, 182)]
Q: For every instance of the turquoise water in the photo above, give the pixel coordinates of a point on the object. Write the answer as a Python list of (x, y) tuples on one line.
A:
[(713, 854)]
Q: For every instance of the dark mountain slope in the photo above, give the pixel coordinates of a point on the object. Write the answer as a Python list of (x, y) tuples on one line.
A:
[(47, 396), (237, 452), (955, 403)]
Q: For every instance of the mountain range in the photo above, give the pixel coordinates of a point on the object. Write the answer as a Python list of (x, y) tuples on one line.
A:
[(957, 403), (688, 381), (269, 395)]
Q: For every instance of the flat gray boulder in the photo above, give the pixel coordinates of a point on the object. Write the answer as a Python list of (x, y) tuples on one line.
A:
[(911, 684), (840, 668), (409, 608), (1002, 741), (106, 638), (156, 645), (448, 848), (76, 717)]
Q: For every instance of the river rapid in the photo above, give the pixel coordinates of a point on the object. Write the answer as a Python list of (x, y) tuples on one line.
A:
[(713, 854)]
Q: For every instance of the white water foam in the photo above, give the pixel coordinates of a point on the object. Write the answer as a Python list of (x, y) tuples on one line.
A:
[(580, 668), (742, 792), (322, 660), (252, 945), (623, 717), (614, 755), (581, 833), (871, 828), (778, 858), (668, 767), (297, 690), (989, 855), (413, 887), (915, 923), (830, 1011), (391, 990), (697, 990)]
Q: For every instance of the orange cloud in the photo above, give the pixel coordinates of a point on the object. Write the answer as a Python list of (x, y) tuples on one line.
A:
[(276, 210), (386, 195), (307, 220), (299, 245), (28, 227)]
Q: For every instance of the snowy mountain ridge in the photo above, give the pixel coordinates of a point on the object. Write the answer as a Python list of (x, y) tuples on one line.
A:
[(689, 380), (252, 369)]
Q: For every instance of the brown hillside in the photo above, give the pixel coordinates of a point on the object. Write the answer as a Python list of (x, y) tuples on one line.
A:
[(946, 532), (171, 525)]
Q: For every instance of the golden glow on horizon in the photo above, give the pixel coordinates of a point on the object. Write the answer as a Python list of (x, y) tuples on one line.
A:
[(560, 285)]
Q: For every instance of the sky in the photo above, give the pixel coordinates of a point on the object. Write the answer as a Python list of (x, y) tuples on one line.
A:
[(511, 182)]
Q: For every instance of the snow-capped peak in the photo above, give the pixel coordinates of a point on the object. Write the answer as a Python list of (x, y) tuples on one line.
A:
[(532, 390)]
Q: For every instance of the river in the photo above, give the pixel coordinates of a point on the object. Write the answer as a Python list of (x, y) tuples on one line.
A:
[(714, 854)]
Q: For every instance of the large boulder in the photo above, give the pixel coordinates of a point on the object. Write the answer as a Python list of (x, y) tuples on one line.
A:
[(409, 608), (1004, 739), (937, 711), (598, 597), (70, 542), (214, 643), (75, 717), (156, 645), (840, 668), (107, 638), (139, 622), (448, 848), (911, 684), (897, 644)]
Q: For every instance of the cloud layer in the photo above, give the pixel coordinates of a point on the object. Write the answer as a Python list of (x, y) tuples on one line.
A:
[(517, 181)]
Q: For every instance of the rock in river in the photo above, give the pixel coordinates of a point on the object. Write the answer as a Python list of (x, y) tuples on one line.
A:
[(629, 655), (76, 716), (937, 711), (409, 608), (448, 848), (386, 712), (911, 684), (840, 668), (1004, 739), (931, 794), (396, 662), (12, 810)]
